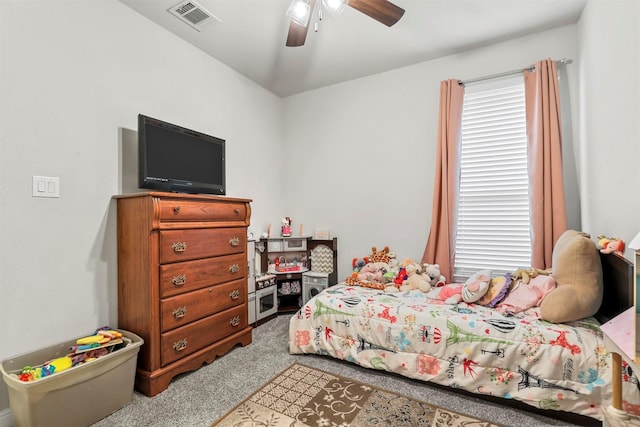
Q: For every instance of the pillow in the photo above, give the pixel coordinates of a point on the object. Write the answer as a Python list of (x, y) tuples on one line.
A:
[(498, 288), (527, 295), (476, 286), (577, 270)]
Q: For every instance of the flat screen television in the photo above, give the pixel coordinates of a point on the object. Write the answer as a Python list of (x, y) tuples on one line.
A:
[(177, 159)]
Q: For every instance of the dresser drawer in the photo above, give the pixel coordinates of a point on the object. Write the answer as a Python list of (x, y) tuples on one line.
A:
[(183, 309), (183, 245), (202, 210), (181, 277), (192, 337)]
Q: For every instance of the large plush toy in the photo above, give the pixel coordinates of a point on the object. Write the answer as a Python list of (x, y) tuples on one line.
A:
[(470, 291), (415, 280), (576, 267), (431, 272)]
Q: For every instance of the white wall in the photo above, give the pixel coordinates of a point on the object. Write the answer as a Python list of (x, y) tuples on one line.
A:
[(359, 156), (74, 75), (362, 154), (610, 117)]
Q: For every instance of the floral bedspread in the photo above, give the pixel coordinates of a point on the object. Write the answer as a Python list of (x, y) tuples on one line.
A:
[(550, 366)]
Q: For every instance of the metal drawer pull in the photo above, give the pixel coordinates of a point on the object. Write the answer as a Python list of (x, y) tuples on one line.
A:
[(234, 268), (180, 344), (176, 210), (179, 246), (235, 321), (179, 280), (235, 294), (180, 312), (234, 241)]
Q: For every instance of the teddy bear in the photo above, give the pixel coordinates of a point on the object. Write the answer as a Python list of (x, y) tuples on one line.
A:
[(415, 280), (431, 272)]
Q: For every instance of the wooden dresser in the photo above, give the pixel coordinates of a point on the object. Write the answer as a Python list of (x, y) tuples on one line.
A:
[(182, 280)]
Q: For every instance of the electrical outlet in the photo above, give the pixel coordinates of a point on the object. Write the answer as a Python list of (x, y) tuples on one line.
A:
[(46, 186)]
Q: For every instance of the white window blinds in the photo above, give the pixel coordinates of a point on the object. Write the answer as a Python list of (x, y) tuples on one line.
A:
[(493, 224)]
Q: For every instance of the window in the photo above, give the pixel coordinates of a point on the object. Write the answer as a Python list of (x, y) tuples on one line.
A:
[(493, 224)]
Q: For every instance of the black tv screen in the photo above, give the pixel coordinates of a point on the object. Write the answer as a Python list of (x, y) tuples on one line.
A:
[(174, 158)]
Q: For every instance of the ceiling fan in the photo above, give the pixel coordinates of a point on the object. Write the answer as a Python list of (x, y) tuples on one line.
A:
[(300, 13)]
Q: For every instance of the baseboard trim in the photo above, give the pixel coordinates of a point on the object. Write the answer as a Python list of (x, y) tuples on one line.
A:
[(6, 419)]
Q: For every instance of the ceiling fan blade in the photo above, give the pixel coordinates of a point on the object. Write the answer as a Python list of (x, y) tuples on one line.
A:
[(297, 34), (381, 10)]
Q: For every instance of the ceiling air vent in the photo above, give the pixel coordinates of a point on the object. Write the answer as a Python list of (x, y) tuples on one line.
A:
[(193, 14)]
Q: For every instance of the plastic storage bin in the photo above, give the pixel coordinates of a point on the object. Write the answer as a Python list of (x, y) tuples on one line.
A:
[(78, 396)]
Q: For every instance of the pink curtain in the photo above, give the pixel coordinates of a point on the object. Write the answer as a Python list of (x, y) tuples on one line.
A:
[(441, 242), (546, 186)]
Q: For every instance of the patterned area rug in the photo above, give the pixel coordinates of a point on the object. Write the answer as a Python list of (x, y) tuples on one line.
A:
[(304, 396)]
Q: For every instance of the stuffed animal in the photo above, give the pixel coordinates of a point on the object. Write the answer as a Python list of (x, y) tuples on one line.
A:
[(415, 280), (431, 272), (370, 273), (577, 271), (401, 276), (524, 275), (379, 255), (358, 263), (450, 293), (610, 245), (470, 291)]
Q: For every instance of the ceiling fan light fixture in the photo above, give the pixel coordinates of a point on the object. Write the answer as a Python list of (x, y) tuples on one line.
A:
[(335, 7), (299, 12)]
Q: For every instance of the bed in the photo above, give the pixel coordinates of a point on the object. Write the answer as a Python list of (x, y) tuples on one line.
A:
[(559, 367)]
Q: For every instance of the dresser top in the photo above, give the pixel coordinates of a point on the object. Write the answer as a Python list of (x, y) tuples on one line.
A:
[(182, 196)]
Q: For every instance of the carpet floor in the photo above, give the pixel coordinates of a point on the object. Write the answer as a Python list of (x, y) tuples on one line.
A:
[(201, 397)]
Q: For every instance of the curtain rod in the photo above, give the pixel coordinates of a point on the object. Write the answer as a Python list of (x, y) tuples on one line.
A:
[(508, 73)]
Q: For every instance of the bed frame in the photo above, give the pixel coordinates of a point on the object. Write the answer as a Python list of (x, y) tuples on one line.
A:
[(619, 282)]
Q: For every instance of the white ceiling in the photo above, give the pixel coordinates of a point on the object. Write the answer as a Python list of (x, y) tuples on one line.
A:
[(251, 36)]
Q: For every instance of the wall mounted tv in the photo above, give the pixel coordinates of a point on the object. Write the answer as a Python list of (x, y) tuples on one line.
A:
[(173, 158)]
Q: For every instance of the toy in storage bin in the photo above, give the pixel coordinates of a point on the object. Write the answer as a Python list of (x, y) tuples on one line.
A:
[(78, 396)]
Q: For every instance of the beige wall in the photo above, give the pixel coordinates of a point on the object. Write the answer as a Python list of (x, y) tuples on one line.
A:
[(609, 108), (73, 77), (356, 157), (378, 136)]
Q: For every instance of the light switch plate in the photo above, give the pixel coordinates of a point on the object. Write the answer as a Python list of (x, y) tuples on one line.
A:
[(46, 186)]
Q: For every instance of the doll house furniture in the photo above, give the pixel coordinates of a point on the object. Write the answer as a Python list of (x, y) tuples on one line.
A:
[(302, 265)]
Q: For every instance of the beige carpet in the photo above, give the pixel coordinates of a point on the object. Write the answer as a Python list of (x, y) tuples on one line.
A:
[(304, 396)]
